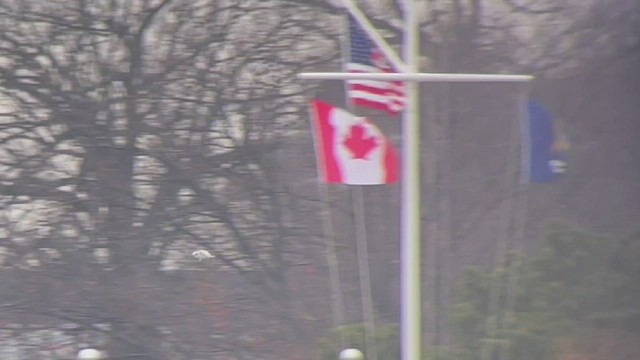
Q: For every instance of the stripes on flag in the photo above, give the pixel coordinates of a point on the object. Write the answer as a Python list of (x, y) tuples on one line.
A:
[(365, 57)]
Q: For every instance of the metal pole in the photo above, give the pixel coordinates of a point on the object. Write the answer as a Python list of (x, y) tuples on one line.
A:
[(413, 76), (368, 317), (410, 213), (410, 197)]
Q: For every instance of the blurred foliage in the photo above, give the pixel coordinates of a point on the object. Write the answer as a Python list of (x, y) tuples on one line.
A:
[(577, 288), (577, 297)]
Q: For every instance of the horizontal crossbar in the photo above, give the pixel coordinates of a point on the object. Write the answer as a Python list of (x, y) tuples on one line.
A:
[(419, 77)]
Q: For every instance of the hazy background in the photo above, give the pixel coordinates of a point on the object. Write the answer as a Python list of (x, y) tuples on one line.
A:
[(133, 132)]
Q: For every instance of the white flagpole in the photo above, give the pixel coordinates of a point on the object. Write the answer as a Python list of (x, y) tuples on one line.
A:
[(419, 77), (410, 211), (411, 317)]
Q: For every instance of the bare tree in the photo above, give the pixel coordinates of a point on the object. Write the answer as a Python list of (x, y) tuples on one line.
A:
[(134, 131)]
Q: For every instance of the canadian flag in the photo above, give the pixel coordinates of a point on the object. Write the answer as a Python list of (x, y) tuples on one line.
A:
[(350, 149)]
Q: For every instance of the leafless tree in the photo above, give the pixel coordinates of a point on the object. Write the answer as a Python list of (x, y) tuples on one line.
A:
[(133, 132)]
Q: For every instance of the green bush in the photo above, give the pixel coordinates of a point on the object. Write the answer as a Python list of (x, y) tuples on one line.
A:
[(576, 283)]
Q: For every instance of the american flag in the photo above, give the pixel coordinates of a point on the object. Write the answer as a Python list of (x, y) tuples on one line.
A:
[(365, 57)]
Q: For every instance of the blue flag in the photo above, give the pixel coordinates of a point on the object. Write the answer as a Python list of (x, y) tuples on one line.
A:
[(543, 158)]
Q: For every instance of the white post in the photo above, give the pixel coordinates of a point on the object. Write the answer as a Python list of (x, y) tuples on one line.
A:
[(411, 318), (410, 207), (90, 354), (351, 354), (419, 77)]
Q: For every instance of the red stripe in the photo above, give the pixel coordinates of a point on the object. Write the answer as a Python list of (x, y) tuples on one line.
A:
[(376, 105), (370, 104), (391, 163), (368, 89), (394, 93), (387, 90), (324, 131), (390, 94)]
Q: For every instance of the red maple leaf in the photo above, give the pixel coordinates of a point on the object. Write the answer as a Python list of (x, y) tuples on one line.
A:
[(358, 144)]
